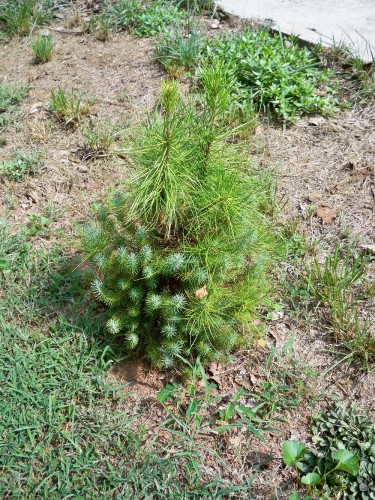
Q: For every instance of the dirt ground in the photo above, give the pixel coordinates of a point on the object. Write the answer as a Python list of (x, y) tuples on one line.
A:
[(318, 162)]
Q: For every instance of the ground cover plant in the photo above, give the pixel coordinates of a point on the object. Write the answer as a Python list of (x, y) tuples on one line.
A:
[(23, 165), (182, 254), (343, 460), (11, 95), (141, 19), (273, 74)]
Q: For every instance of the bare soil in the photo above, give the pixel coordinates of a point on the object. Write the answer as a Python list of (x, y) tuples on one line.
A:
[(318, 162)]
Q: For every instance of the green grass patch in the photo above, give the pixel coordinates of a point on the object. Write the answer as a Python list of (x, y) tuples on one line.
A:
[(19, 17), (273, 74), (179, 48), (68, 107), (11, 95), (66, 431)]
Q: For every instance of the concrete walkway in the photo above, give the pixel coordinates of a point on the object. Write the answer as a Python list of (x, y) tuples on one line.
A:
[(352, 21)]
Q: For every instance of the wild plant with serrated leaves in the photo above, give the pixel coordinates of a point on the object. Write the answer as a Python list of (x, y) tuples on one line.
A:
[(182, 253)]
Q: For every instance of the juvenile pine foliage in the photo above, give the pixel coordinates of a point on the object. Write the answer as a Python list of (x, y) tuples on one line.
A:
[(182, 253)]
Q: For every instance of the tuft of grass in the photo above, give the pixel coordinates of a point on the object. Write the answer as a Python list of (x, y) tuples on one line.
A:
[(68, 107), (25, 164), (336, 286), (353, 54), (179, 48), (99, 137), (21, 16), (102, 26), (273, 75), (196, 6), (43, 48)]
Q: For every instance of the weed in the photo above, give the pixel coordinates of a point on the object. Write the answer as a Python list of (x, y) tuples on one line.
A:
[(179, 48), (273, 76), (188, 269), (342, 464), (99, 137), (139, 19), (195, 6), (324, 470), (25, 164), (10, 96), (353, 55), (21, 16), (37, 225), (68, 107), (43, 48), (102, 26), (285, 382), (333, 285)]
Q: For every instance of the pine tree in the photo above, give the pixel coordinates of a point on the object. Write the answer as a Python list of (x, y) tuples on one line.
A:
[(182, 253)]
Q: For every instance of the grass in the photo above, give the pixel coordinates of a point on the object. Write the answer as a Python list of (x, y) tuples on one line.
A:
[(57, 411), (68, 107), (65, 430), (19, 17), (352, 55), (43, 48), (274, 75), (11, 94), (179, 48), (338, 290), (195, 6), (336, 286), (99, 137)]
